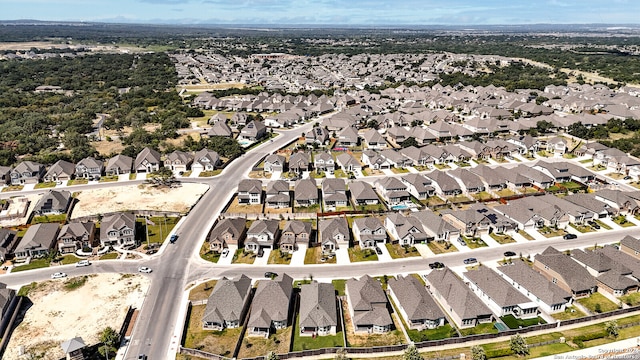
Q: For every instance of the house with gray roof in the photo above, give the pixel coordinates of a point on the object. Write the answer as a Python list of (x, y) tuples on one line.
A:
[(27, 172), (417, 307), (368, 306), (435, 225), (333, 234), (362, 194), (334, 193), (318, 309), (393, 191), (324, 162), (444, 184), (469, 222), (293, 234), (53, 202), (74, 348), (498, 294), (627, 202), (228, 304), (148, 160), (348, 137), (317, 135), (8, 242), (220, 128), (419, 186), (262, 234), (253, 131), (119, 164), (348, 163), (178, 161), (550, 297), (274, 162), (611, 275), (492, 179), (305, 193), (271, 306), (498, 223), (565, 272), (229, 231), (89, 168), (118, 229), (61, 170), (369, 232), (622, 258), (205, 160), (300, 162), (37, 241), (5, 175), (406, 230), (600, 209), (76, 236), (471, 183), (8, 301), (464, 308), (631, 246), (417, 156), (374, 140), (250, 191), (278, 194)]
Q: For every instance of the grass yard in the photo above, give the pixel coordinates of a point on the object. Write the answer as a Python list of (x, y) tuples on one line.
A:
[(110, 256), (399, 170), (631, 299), (483, 195), (77, 182), (61, 218), (598, 303), (278, 257), (505, 193), (319, 342), (111, 178), (235, 207), (44, 185), (366, 340), (502, 238), (514, 323), (12, 188), (603, 225), (314, 256), (433, 201), (340, 285), (582, 228), (622, 221), (398, 252), (487, 328), (161, 229), (202, 291), (551, 232), (216, 342), (68, 259), (242, 257), (34, 264), (356, 254), (475, 243), (458, 199), (307, 209), (442, 332), (585, 161), (210, 173), (570, 312), (373, 207), (525, 235), (441, 247), (259, 346)]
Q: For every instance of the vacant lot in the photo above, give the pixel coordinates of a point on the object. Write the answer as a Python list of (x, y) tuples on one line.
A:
[(138, 197), (59, 314)]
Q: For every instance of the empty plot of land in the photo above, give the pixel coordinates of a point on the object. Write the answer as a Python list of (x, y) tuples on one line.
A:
[(138, 197)]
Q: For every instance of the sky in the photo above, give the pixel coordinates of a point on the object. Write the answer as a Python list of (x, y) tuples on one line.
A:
[(328, 12)]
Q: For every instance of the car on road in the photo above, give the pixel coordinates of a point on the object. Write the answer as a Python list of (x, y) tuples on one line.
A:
[(436, 265), (378, 251), (225, 252), (58, 275), (144, 269), (151, 251), (626, 177), (270, 274), (173, 238), (469, 261), (509, 253), (569, 236), (82, 263)]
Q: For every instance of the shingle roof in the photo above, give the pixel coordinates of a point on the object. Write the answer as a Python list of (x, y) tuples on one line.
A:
[(414, 298), (227, 300), (496, 287), (534, 282), (271, 301), (576, 276), (318, 305), (458, 295)]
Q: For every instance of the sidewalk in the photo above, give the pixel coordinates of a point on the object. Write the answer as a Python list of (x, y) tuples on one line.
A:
[(623, 349)]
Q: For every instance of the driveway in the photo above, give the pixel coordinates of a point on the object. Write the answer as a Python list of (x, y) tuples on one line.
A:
[(261, 261), (276, 175), (297, 258), (489, 240), (424, 250), (342, 256), (227, 260), (385, 256)]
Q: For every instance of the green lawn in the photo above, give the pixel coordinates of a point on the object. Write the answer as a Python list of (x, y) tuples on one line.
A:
[(570, 312), (339, 285), (632, 299), (110, 178), (356, 254), (160, 230), (487, 328), (44, 185), (242, 257), (314, 256), (514, 323), (210, 173), (397, 252), (12, 188), (69, 259), (110, 256), (34, 264), (585, 161), (278, 257), (374, 207), (77, 182), (441, 247), (483, 195), (622, 221), (502, 238), (597, 302), (582, 228), (475, 243), (442, 332), (525, 235), (49, 219), (319, 342), (209, 255)]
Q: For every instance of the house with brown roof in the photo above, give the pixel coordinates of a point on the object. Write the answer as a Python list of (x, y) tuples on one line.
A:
[(566, 273), (299, 162), (228, 304), (271, 306), (368, 306), (254, 130), (229, 231), (318, 309), (416, 305)]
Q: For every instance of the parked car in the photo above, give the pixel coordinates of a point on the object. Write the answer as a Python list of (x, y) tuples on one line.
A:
[(436, 265), (173, 238), (469, 261), (82, 263), (225, 252), (58, 275), (144, 269), (462, 242), (378, 251), (569, 236), (626, 177), (270, 274), (509, 253), (594, 225), (142, 357)]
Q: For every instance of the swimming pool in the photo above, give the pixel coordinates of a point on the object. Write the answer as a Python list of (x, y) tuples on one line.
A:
[(400, 207)]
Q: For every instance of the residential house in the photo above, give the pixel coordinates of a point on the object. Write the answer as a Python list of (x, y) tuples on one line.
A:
[(406, 230), (465, 309), (8, 242), (368, 305), (27, 172), (418, 156), (37, 241), (229, 231), (395, 158), (444, 184), (624, 201), (306, 193), (576, 213), (362, 194), (493, 180), (566, 273), (250, 191), (631, 246), (374, 140), (205, 160), (118, 229), (417, 307), (220, 128), (611, 276), (549, 296), (334, 193), (532, 212), (119, 164), (317, 135), (228, 304), (333, 234), (148, 160), (324, 162), (60, 171), (299, 162), (348, 137), (271, 306), (469, 222), (277, 195), (369, 232), (435, 225), (274, 163), (53, 202), (295, 233), (622, 258), (376, 161), (253, 131), (262, 234), (318, 309), (76, 236), (178, 161), (393, 191), (615, 159), (498, 294), (557, 146), (348, 163), (89, 168), (471, 183)]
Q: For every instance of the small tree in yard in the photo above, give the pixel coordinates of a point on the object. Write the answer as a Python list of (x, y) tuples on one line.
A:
[(478, 353), (272, 356), (109, 338), (612, 328), (341, 354), (518, 345), (412, 353)]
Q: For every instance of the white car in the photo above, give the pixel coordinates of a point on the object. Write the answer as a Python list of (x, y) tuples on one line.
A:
[(82, 263), (144, 269), (58, 275)]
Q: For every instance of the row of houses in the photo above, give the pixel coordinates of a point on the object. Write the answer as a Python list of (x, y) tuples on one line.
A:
[(148, 160), (115, 230)]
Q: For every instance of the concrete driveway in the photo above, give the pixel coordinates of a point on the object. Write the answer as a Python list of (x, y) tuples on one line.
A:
[(297, 258)]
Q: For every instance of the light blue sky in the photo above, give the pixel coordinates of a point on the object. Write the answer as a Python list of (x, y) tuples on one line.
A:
[(354, 12)]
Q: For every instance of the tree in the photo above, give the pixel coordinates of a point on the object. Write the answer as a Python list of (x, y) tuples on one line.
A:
[(110, 339), (410, 141), (478, 353), (341, 354), (271, 356), (412, 353), (612, 328), (163, 176), (518, 345)]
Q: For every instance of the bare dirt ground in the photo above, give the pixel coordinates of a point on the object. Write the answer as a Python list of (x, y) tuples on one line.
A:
[(59, 314), (138, 197), (16, 221)]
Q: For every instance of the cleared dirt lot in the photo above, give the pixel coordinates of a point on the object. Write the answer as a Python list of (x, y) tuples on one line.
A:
[(59, 314), (137, 197)]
